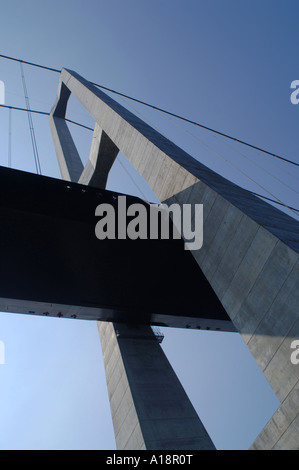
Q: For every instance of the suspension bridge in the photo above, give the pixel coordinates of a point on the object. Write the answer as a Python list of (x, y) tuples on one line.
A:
[(249, 259)]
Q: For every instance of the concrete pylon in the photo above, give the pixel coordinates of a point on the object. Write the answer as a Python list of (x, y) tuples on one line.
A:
[(250, 250), (150, 409)]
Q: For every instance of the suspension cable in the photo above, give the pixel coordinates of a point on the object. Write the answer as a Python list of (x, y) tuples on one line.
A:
[(276, 200), (31, 127), (162, 111), (30, 63), (90, 129), (45, 113)]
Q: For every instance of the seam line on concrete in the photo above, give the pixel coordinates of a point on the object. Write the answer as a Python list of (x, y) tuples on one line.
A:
[(111, 351), (258, 274), (133, 433), (282, 340), (112, 370), (116, 410), (282, 337), (294, 386), (167, 186), (245, 251), (274, 356), (127, 440), (111, 373), (280, 437), (221, 221), (123, 424), (206, 215)]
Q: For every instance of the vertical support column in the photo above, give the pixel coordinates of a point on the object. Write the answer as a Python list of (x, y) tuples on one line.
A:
[(69, 160), (103, 153), (150, 409)]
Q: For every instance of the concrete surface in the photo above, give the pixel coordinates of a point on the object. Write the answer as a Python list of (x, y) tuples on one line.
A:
[(150, 409), (249, 255)]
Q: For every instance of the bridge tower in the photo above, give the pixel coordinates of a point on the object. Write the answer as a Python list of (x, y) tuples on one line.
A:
[(249, 259), (250, 250)]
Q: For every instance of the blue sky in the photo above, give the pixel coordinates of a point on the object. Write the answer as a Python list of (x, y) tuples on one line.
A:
[(226, 64)]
